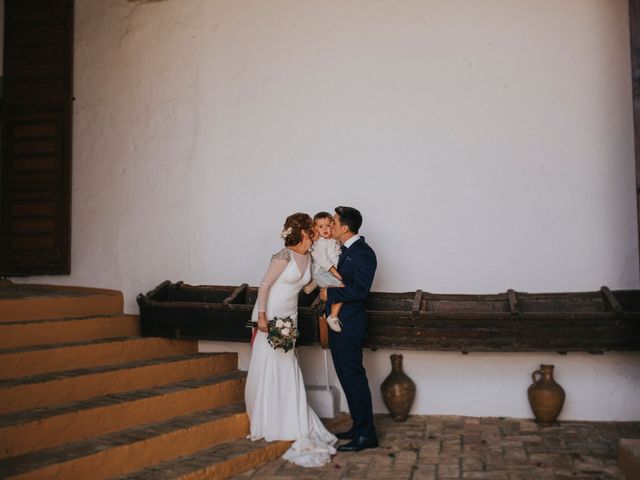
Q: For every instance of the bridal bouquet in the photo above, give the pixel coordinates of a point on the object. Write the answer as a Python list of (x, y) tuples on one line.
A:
[(282, 333)]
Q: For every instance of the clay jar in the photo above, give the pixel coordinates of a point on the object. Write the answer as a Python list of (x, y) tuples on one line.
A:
[(545, 395), (398, 390)]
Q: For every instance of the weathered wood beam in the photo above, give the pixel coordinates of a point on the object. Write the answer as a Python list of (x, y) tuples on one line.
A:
[(316, 302), (156, 291), (514, 308), (611, 300), (513, 322), (417, 302), (235, 294)]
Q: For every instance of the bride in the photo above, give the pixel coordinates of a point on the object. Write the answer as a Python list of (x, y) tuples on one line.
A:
[(275, 396)]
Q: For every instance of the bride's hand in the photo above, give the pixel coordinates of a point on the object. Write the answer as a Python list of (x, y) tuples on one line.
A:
[(262, 324)]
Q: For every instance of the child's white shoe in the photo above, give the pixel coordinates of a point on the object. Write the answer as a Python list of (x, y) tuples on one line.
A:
[(334, 323)]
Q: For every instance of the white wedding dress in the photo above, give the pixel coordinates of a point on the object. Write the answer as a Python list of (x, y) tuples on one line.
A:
[(275, 395)]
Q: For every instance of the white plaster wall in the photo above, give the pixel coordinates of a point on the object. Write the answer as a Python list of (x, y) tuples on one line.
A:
[(602, 387), (488, 144)]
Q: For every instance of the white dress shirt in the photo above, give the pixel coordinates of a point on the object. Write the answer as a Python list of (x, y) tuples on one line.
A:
[(351, 241)]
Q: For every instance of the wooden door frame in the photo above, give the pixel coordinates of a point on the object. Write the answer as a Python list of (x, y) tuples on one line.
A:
[(634, 30)]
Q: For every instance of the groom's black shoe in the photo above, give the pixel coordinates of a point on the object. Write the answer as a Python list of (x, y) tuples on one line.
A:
[(358, 444), (348, 435)]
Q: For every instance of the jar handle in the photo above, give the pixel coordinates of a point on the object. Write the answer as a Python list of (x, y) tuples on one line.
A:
[(533, 375)]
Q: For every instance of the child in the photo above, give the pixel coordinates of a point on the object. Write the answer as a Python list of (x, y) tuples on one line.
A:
[(325, 253)]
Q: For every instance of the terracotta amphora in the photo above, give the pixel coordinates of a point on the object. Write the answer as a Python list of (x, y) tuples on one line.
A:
[(545, 395), (398, 390)]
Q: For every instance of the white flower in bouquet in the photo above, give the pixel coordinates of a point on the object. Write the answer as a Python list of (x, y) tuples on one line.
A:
[(282, 333)]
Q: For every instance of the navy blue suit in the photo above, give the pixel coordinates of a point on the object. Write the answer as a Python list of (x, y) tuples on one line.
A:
[(357, 265)]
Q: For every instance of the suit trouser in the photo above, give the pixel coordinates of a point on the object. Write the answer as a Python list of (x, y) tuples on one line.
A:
[(346, 350)]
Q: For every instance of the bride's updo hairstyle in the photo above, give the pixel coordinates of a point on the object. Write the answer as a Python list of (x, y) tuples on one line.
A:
[(294, 225)]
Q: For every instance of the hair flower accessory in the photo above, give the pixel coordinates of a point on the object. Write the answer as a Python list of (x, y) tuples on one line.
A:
[(286, 232)]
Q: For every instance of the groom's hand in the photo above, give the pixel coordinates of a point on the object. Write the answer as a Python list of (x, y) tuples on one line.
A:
[(323, 294), (334, 272)]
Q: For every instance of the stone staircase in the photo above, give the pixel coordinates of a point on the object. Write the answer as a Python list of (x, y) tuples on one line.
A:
[(83, 396)]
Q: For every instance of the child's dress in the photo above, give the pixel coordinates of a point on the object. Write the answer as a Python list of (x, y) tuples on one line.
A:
[(325, 254)]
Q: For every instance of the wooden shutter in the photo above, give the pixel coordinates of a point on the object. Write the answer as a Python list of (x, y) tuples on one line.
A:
[(35, 179)]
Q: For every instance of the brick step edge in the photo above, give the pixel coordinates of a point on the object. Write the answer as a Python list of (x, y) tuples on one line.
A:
[(178, 436), (94, 342), (42, 413), (52, 376), (59, 357), (69, 319), (48, 427), (25, 302), (50, 389), (221, 461), (65, 330)]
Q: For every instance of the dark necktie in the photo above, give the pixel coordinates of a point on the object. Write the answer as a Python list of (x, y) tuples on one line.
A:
[(343, 251)]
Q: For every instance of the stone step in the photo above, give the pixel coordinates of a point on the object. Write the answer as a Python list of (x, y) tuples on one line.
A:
[(58, 388), (133, 449), (218, 462), (629, 458), (36, 360), (46, 332), (25, 302), (42, 428), (225, 460)]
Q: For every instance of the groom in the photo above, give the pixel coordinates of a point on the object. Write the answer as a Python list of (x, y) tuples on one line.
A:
[(357, 265)]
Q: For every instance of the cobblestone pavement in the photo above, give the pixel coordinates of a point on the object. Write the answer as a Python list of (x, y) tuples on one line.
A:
[(447, 447)]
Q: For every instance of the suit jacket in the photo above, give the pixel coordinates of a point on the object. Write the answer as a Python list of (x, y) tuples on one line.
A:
[(357, 265)]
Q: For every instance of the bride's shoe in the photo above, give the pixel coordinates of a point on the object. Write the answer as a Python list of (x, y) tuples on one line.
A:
[(334, 323)]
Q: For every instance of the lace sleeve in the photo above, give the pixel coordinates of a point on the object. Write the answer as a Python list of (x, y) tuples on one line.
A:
[(284, 254), (278, 263)]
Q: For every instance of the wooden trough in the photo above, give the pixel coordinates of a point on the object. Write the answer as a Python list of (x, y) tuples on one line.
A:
[(213, 312), (594, 322)]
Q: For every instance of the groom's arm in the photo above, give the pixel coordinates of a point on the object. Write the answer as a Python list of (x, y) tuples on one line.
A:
[(358, 290)]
